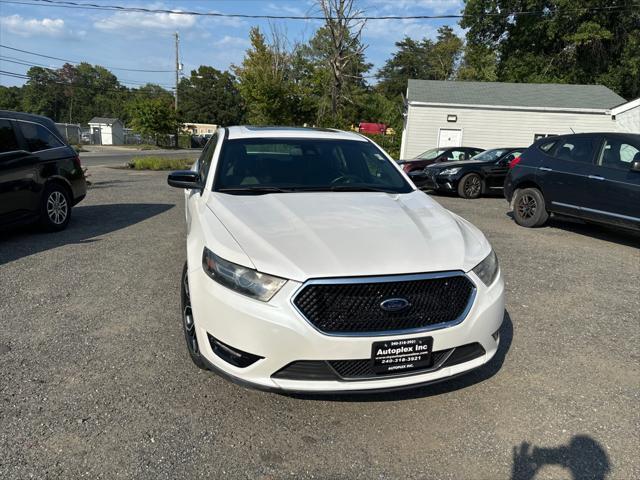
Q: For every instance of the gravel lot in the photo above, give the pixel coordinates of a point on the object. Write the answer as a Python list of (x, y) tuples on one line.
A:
[(95, 380)]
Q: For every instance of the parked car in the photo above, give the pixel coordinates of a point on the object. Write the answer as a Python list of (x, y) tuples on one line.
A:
[(372, 128), (41, 178), (592, 176), (482, 174), (290, 283), (437, 155)]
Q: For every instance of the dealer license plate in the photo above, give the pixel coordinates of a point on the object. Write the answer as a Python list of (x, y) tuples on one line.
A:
[(395, 356)]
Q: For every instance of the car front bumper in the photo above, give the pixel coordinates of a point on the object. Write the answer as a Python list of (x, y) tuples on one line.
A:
[(279, 334)]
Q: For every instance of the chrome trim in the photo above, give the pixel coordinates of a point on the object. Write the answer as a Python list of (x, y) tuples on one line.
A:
[(596, 177), (389, 279), (593, 210), (545, 169)]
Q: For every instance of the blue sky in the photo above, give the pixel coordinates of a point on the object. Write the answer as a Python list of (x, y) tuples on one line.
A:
[(145, 41)]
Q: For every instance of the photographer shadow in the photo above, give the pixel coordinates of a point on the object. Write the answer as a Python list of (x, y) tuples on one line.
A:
[(583, 457)]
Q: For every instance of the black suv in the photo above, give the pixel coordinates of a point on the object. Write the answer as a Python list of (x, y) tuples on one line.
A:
[(40, 174), (593, 176), (484, 173)]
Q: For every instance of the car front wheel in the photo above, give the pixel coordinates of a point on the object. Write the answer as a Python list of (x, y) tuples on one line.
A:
[(188, 325), (470, 186), (529, 208)]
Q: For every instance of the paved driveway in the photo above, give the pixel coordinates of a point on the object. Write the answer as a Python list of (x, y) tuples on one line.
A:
[(95, 381)]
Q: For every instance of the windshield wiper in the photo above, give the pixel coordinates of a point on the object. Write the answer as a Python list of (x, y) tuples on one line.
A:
[(255, 190)]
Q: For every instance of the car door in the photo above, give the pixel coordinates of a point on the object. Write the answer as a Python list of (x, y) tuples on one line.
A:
[(615, 191), (495, 173), (565, 174), (17, 175)]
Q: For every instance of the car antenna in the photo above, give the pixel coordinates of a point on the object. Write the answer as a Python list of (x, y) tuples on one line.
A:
[(572, 130)]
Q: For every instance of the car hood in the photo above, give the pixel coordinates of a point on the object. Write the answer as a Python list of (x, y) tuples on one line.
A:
[(336, 234)]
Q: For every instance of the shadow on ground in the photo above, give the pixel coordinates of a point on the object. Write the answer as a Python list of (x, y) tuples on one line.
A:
[(607, 233), (448, 385), (583, 457), (87, 223)]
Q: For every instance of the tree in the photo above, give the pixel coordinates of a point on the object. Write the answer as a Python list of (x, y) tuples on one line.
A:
[(10, 98), (265, 81), (152, 116), (478, 63), (422, 60), (566, 42), (343, 30), (210, 96), (43, 93)]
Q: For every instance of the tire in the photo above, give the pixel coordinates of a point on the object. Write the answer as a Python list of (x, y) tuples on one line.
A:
[(529, 209), (470, 186), (188, 325), (55, 210)]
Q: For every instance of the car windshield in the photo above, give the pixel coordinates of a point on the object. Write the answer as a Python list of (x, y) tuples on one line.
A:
[(490, 155), (429, 154), (258, 166)]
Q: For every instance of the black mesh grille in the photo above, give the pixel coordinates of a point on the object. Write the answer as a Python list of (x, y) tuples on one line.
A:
[(355, 307), (350, 369)]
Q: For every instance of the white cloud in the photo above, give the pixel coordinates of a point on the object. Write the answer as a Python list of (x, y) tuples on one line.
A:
[(232, 42), (31, 27), (420, 7), (145, 21)]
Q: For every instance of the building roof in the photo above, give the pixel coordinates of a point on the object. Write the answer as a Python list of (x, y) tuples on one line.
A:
[(108, 121), (531, 95)]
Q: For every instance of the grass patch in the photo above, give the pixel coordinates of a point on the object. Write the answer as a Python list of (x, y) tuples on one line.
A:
[(153, 162)]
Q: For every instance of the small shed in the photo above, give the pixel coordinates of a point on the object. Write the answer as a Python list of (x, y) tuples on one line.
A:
[(495, 114), (106, 131)]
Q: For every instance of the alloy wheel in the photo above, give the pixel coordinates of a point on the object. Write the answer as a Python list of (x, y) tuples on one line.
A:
[(472, 186), (187, 319), (57, 207), (527, 206)]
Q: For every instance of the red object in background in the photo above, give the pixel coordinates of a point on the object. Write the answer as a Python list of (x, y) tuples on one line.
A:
[(514, 162), (372, 128)]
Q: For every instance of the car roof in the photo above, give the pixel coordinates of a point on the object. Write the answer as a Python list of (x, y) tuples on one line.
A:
[(585, 134), (243, 131), (24, 116)]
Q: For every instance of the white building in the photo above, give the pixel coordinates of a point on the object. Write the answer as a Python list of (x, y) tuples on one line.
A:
[(106, 131), (492, 114)]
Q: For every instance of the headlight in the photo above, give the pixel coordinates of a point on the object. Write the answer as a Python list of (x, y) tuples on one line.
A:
[(487, 269), (450, 171), (241, 279)]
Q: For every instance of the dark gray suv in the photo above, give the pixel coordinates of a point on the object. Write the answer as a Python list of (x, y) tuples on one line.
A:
[(41, 178)]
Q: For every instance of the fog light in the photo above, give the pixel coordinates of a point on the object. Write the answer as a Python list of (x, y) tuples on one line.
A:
[(231, 355)]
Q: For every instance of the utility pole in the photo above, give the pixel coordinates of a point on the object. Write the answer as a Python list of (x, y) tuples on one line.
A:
[(177, 81)]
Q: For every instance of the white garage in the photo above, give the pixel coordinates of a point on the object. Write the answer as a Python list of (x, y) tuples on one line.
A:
[(493, 114)]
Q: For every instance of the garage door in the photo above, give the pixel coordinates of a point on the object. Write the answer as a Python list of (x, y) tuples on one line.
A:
[(448, 137)]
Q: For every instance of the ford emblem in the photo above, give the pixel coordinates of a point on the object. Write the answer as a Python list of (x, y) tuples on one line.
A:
[(394, 304)]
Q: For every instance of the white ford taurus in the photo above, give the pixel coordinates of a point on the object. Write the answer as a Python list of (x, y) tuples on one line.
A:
[(314, 265)]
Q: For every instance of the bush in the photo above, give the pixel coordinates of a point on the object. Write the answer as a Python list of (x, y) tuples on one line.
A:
[(389, 143), (152, 162)]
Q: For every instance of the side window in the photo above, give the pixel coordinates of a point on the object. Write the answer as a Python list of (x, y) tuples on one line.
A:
[(8, 142), (38, 137), (458, 155), (510, 157), (204, 162), (618, 154), (576, 149)]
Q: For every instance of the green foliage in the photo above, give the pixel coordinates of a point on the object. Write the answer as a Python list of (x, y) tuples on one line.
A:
[(210, 96), (389, 143), (265, 81), (151, 162), (10, 98), (152, 116), (423, 60), (573, 42)]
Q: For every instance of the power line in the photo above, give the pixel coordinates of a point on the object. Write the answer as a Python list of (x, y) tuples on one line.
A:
[(119, 8), (75, 62)]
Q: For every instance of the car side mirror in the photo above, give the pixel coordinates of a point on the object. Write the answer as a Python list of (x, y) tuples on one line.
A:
[(185, 179), (635, 166)]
